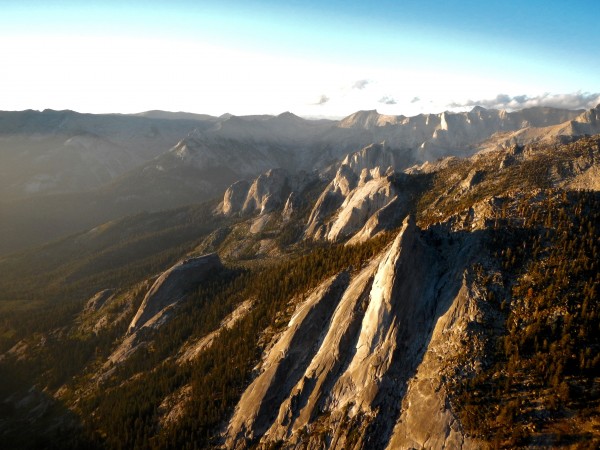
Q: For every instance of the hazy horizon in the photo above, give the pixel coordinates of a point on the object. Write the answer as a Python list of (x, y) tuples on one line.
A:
[(307, 117), (313, 59)]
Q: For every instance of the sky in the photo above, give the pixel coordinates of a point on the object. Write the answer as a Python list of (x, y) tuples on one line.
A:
[(313, 58)]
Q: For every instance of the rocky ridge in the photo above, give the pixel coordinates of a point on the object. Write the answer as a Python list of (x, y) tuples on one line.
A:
[(244, 147), (46, 152), (362, 187), (367, 194), (158, 306), (387, 315), (156, 163), (171, 286), (269, 191)]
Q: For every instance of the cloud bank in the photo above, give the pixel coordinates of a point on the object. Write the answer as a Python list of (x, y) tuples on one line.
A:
[(577, 100)]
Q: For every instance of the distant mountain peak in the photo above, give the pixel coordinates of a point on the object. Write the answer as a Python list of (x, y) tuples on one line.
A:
[(289, 116), (478, 108), (171, 115), (361, 119)]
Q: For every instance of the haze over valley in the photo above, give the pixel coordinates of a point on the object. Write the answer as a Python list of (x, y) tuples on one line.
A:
[(63, 172)]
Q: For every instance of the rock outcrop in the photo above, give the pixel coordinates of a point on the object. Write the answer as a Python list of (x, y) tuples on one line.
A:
[(385, 218), (353, 349), (285, 363), (269, 191), (363, 187), (426, 420), (290, 207), (98, 300), (474, 177), (235, 197), (329, 201), (363, 202), (172, 286), (266, 192), (158, 304), (374, 156)]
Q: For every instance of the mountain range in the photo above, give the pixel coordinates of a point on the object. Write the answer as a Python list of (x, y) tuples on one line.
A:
[(172, 280), (62, 172)]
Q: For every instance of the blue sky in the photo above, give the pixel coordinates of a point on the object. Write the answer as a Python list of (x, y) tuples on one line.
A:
[(312, 58)]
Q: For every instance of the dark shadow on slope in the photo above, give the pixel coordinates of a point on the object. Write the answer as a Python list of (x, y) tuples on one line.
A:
[(32, 419)]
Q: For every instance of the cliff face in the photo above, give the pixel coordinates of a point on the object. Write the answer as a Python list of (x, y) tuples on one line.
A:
[(427, 137), (363, 187), (262, 195), (286, 362), (172, 285), (372, 338), (364, 201), (269, 191)]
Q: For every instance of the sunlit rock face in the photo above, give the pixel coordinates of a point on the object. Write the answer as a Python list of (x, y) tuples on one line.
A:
[(361, 191), (271, 190), (367, 349), (172, 285)]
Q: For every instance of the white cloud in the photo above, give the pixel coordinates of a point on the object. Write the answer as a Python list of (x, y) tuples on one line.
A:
[(387, 100), (360, 84), (322, 100), (577, 100)]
